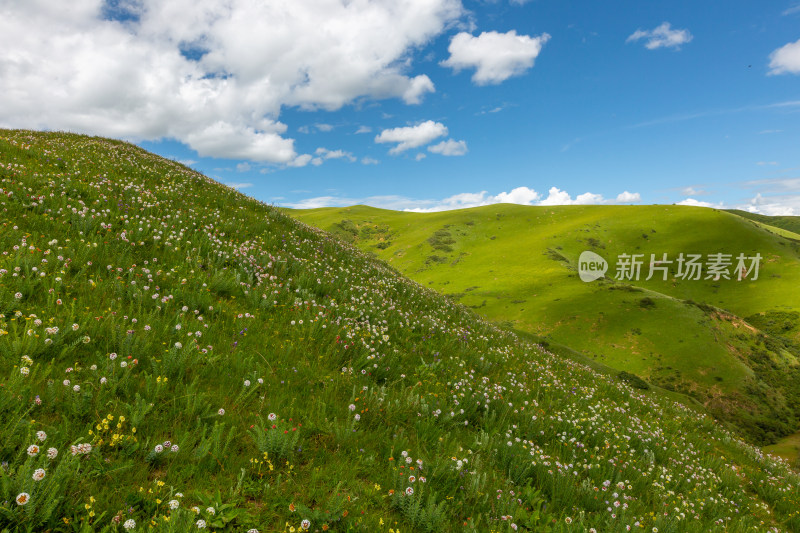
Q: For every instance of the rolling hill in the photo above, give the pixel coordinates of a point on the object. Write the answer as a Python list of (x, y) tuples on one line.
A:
[(176, 356), (732, 345)]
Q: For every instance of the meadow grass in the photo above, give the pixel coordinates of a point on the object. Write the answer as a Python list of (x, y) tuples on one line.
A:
[(176, 356)]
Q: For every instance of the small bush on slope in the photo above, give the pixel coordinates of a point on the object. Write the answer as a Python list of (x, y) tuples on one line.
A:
[(175, 355)]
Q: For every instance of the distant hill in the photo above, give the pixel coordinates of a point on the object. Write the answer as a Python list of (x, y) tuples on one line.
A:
[(178, 357), (788, 223), (732, 345)]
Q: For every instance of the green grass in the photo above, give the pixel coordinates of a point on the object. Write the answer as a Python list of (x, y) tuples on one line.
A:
[(192, 354), (517, 265), (788, 224)]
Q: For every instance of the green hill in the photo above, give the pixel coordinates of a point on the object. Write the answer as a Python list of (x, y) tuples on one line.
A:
[(786, 223), (732, 345), (176, 356)]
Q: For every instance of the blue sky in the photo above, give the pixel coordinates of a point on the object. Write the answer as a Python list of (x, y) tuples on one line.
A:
[(430, 104)]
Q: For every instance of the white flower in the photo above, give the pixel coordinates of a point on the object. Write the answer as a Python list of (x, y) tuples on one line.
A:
[(33, 450), (24, 370), (75, 327), (159, 448), (38, 475), (174, 448), (41, 435), (272, 417), (52, 453), (221, 412), (19, 296), (178, 345), (76, 388), (112, 356), (210, 510), (409, 491), (103, 380), (357, 417), (201, 524), (123, 364), (173, 504), (352, 407), (305, 524), (66, 382), (23, 498), (260, 381), (247, 383), (129, 523)]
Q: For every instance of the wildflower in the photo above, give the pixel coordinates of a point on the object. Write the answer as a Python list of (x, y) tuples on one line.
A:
[(357, 417), (352, 407), (76, 388), (66, 382), (129, 523), (260, 381), (52, 453), (174, 448), (33, 450), (409, 491), (18, 296), (123, 364), (24, 370), (38, 475), (23, 498), (272, 417), (159, 448), (112, 356), (247, 383), (568, 520), (103, 380), (210, 510), (173, 504), (305, 524), (221, 412), (75, 327)]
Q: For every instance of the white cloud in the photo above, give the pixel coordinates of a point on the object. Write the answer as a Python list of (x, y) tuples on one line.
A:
[(300, 161), (364, 129), (420, 156), (691, 191), (323, 127), (662, 36), (494, 56), (239, 185), (324, 153), (697, 203), (785, 59), (519, 195), (246, 61), (626, 197), (412, 136), (449, 147), (774, 205), (243, 167), (369, 161)]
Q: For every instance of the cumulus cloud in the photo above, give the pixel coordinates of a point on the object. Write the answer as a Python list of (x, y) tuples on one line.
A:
[(774, 205), (662, 36), (698, 203), (626, 197), (785, 59), (214, 74), (412, 136), (449, 147), (494, 56)]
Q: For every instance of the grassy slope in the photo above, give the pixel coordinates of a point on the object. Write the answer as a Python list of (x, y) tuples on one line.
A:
[(165, 298), (789, 224), (516, 264)]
